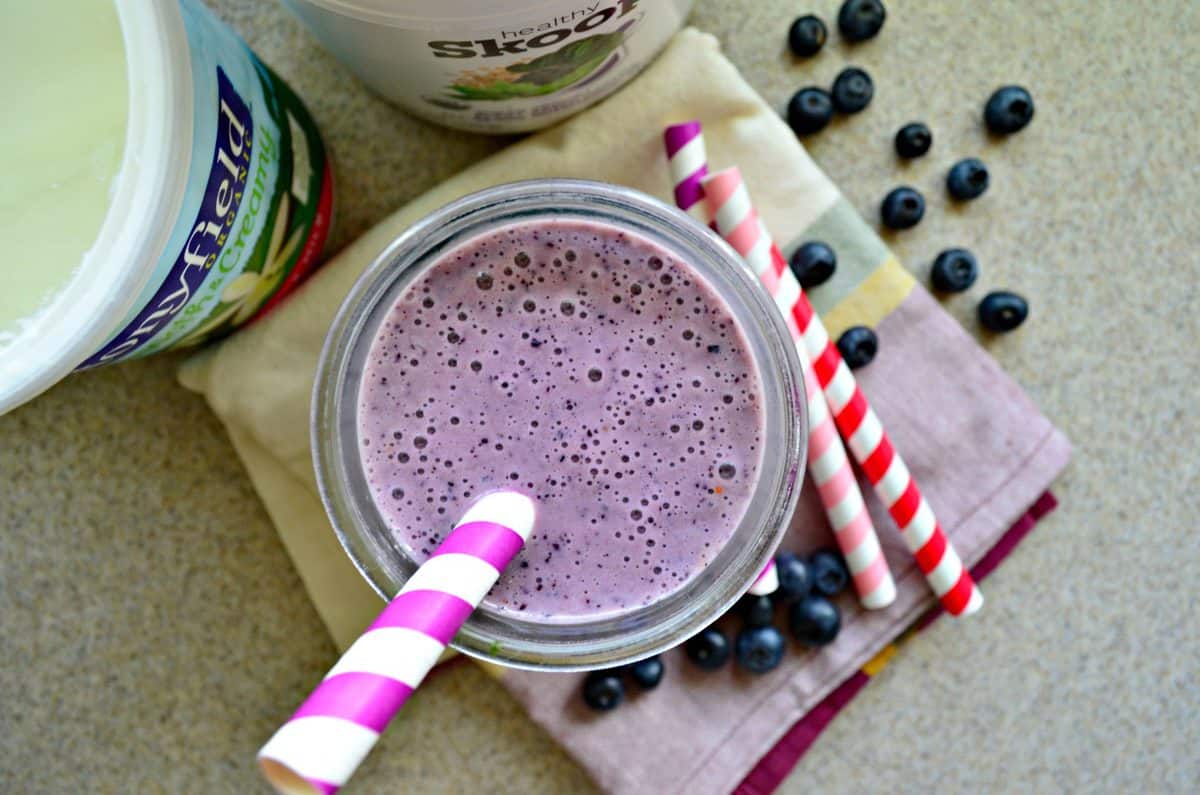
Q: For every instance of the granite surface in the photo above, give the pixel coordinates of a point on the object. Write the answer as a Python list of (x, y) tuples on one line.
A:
[(152, 633)]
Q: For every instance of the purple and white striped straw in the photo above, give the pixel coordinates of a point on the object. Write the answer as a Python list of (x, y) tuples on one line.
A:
[(322, 744), (688, 163)]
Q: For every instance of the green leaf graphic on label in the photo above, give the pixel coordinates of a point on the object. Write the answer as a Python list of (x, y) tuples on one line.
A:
[(548, 73)]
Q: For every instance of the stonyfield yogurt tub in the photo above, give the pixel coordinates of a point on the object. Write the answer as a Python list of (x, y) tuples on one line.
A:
[(603, 354), (493, 66), (162, 186)]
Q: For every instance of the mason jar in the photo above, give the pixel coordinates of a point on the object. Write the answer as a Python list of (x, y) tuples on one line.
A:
[(496, 631)]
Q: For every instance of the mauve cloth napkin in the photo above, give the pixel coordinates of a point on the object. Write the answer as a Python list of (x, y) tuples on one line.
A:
[(979, 448)]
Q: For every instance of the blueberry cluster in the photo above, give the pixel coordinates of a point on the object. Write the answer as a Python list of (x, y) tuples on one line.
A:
[(811, 109), (806, 589), (605, 690), (1008, 110), (955, 270)]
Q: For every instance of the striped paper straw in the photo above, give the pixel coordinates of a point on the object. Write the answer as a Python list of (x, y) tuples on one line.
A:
[(767, 582), (852, 526), (839, 490), (319, 748), (688, 164), (736, 220)]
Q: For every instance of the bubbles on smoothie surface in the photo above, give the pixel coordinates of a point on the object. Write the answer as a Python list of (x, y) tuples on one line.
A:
[(587, 367)]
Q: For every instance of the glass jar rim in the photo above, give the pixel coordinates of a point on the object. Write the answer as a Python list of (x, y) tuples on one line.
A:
[(510, 639)]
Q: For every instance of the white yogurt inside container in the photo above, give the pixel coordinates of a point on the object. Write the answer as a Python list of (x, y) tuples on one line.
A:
[(61, 146), (161, 185)]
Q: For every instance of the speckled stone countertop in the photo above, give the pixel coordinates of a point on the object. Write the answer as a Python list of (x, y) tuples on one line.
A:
[(151, 629)]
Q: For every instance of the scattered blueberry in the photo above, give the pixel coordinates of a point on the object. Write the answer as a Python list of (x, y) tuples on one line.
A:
[(1002, 311), (913, 140), (813, 263), (814, 621), (647, 673), (902, 208), (709, 649), (967, 179), (860, 20), (858, 346), (830, 575), (852, 90), (809, 110), (1009, 109), (954, 270), (795, 581), (759, 649), (807, 35), (603, 690), (758, 611)]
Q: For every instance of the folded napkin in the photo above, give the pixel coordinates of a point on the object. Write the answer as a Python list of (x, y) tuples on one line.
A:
[(981, 451)]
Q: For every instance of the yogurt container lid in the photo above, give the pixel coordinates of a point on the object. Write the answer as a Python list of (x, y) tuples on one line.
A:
[(421, 13)]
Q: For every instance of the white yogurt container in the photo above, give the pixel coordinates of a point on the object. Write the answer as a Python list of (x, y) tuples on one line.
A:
[(495, 67), (210, 203)]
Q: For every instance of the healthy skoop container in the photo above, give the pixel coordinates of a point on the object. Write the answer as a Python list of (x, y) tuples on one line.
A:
[(162, 186), (494, 67), (584, 641)]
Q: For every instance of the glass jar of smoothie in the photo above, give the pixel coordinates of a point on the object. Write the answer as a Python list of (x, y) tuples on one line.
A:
[(598, 350), (500, 66)]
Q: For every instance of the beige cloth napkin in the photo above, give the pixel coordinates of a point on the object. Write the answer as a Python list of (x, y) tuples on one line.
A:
[(259, 382)]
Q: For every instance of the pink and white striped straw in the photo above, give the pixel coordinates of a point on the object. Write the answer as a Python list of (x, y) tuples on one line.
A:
[(729, 203), (844, 506), (852, 526), (322, 744), (688, 163)]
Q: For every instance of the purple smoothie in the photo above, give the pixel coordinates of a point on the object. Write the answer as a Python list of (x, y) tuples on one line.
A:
[(589, 367)]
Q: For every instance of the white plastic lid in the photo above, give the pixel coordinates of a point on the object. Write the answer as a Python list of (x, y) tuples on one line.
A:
[(421, 13)]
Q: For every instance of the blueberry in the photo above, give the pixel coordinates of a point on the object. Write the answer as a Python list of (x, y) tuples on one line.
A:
[(858, 346), (860, 20), (814, 621), (709, 649), (954, 270), (647, 673), (852, 90), (830, 575), (809, 110), (902, 208), (967, 179), (807, 35), (1002, 311), (603, 690), (759, 649), (758, 611), (1009, 109), (795, 581), (913, 140), (813, 263)]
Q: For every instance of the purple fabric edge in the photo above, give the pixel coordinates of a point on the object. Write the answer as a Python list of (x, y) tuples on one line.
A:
[(778, 762)]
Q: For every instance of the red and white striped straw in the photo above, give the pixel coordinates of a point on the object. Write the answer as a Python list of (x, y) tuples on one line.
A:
[(322, 744), (736, 221), (688, 163)]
